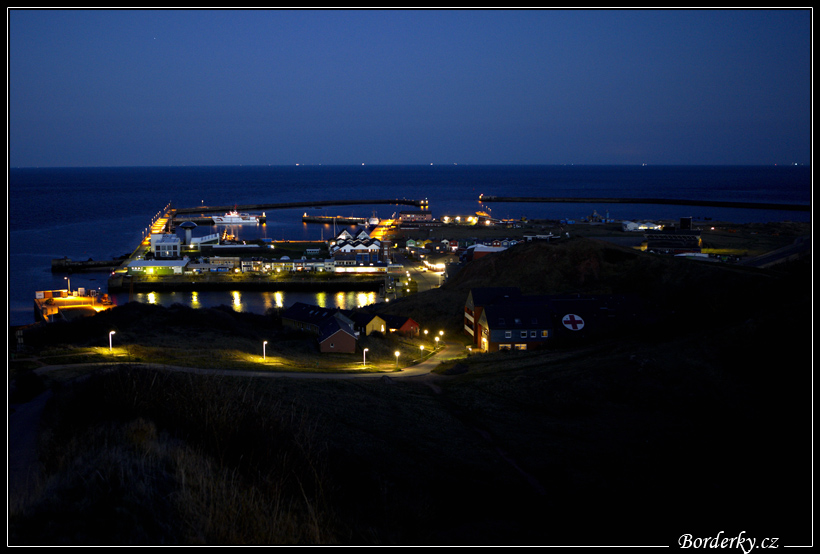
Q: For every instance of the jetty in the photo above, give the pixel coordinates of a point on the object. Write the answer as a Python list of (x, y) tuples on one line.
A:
[(67, 265), (665, 201), (287, 205)]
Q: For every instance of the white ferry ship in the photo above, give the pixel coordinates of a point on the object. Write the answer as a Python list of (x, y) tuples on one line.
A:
[(235, 218)]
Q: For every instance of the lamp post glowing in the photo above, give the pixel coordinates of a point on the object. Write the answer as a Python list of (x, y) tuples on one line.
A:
[(397, 359), (364, 357), (69, 285), (109, 340), (264, 355), (422, 351), (436, 343)]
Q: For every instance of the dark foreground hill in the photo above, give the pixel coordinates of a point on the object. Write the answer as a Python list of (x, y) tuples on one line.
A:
[(698, 425)]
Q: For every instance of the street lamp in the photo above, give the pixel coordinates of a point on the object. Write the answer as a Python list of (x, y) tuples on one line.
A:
[(264, 355), (436, 343), (422, 351), (109, 340), (397, 359), (364, 357), (69, 285)]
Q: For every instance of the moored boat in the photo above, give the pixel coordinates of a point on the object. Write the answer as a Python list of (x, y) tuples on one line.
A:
[(235, 218)]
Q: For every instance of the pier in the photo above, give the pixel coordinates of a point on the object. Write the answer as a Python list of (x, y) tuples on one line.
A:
[(67, 265), (287, 205), (160, 223), (665, 201)]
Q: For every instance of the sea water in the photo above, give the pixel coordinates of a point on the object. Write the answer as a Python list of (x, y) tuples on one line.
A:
[(102, 213)]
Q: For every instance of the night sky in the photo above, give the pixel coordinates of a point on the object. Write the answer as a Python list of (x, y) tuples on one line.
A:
[(166, 88)]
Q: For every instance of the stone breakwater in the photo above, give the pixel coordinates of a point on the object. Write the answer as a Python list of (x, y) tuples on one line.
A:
[(663, 201)]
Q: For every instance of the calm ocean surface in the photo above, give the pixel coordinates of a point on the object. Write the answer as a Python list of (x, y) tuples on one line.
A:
[(101, 213)]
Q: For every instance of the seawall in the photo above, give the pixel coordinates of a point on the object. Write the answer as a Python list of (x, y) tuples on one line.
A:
[(217, 282)]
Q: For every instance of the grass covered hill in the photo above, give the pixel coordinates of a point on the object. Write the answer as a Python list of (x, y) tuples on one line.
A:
[(698, 425), (685, 293)]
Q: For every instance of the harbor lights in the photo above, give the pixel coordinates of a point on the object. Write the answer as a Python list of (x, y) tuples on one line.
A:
[(364, 357), (397, 358), (109, 339), (264, 355)]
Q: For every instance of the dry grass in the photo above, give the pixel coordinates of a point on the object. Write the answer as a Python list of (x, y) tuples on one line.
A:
[(136, 456)]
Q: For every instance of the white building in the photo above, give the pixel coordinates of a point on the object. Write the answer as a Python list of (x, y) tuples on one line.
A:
[(640, 226), (358, 243), (165, 245)]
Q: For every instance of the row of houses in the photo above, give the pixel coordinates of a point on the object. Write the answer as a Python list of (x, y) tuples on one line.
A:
[(502, 318), (339, 330), (356, 248), (236, 264)]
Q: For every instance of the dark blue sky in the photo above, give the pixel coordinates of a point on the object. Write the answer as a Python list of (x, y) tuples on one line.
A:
[(120, 88)]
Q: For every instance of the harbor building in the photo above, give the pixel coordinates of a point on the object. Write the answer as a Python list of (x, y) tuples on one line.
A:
[(157, 267), (165, 245)]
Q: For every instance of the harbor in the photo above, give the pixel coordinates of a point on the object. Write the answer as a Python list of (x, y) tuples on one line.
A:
[(102, 246), (169, 259)]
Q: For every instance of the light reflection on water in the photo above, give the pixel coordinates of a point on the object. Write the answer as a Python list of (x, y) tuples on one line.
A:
[(253, 302)]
